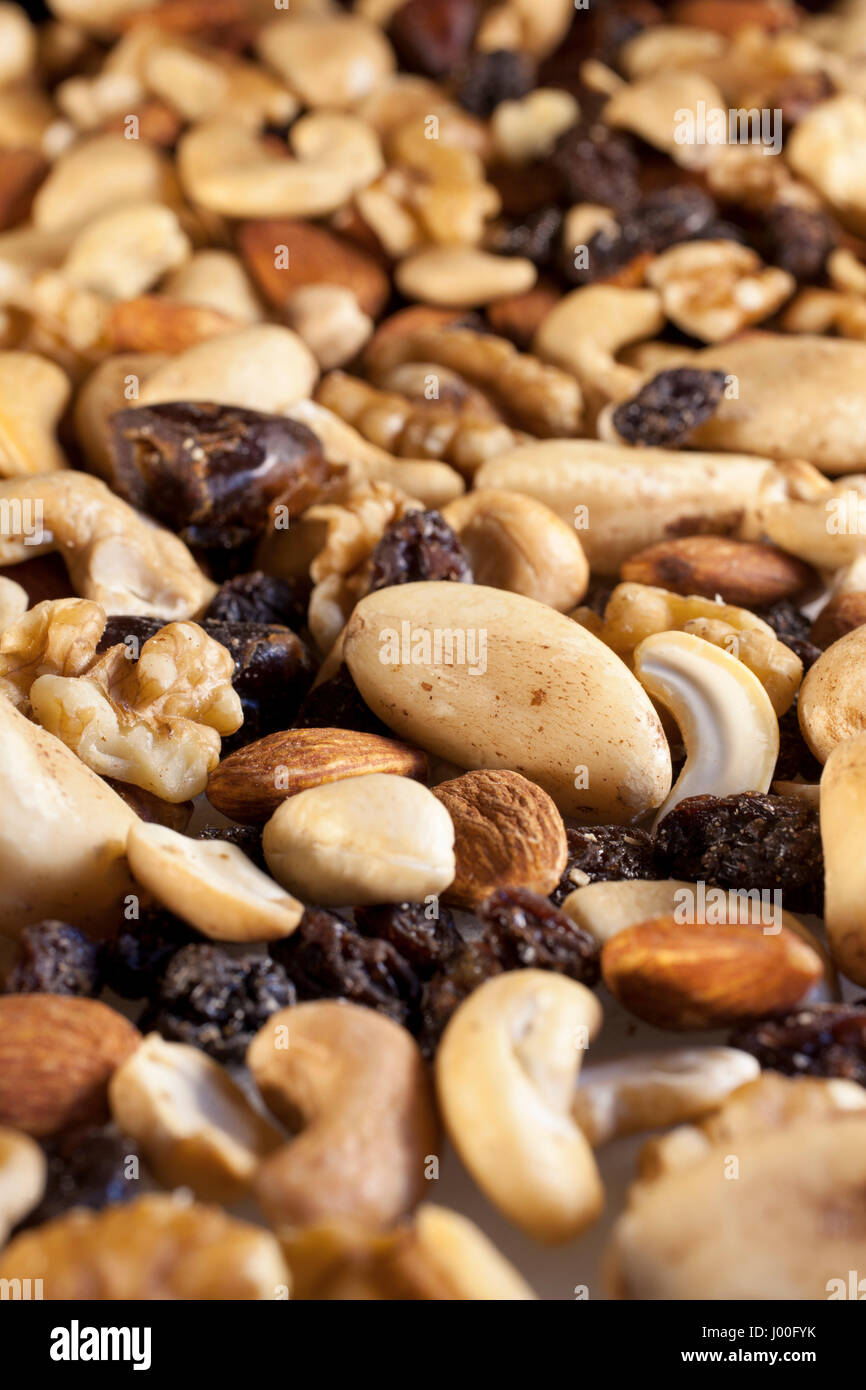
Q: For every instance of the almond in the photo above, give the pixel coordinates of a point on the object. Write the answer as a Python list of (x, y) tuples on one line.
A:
[(684, 975), (151, 323), (741, 572), (507, 834), (841, 615), (249, 785), (57, 1055), (158, 123), (21, 172), (728, 16), (315, 256), (518, 316)]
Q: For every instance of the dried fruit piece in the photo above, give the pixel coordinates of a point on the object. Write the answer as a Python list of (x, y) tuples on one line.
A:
[(502, 74), (660, 219), (601, 853), (423, 933), (433, 36), (666, 411), (135, 960), (87, 1167), (526, 930), (337, 704), (260, 598), (799, 240), (421, 545), (819, 1040), (54, 958), (741, 572), (597, 165), (469, 966), (792, 627)]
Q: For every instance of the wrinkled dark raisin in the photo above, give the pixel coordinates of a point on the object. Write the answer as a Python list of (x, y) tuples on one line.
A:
[(600, 853), (326, 958), (795, 759), (217, 1001), (134, 961), (246, 837), (54, 958), (597, 31), (799, 240), (527, 931), (87, 1167), (433, 36), (337, 704), (598, 594), (421, 545), (537, 237), (211, 472), (472, 964), (661, 219), (817, 1040), (792, 627), (426, 943), (489, 78), (260, 598), (670, 407), (747, 841), (597, 165)]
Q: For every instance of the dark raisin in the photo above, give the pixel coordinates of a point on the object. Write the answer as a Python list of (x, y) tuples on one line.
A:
[(337, 704), (489, 78), (54, 958), (326, 958), (799, 240), (425, 942), (134, 961), (792, 627), (527, 931), (433, 36), (472, 964), (217, 1001), (260, 598), (747, 841), (818, 1040), (536, 237), (421, 545), (87, 1167), (211, 472), (597, 165), (246, 837), (600, 853), (598, 594), (795, 760), (661, 219), (670, 407)]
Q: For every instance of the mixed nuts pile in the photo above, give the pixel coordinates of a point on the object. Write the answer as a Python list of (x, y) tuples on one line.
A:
[(432, 620)]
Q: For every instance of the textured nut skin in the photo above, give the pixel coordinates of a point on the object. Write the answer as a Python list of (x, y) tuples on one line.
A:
[(832, 705), (151, 323), (552, 697), (356, 1084), (742, 572), (156, 1247), (507, 834), (842, 614), (683, 975), (249, 785), (57, 1054)]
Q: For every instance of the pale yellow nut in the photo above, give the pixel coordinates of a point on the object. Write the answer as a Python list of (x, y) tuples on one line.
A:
[(724, 714), (588, 327), (463, 277), (13, 603), (332, 60), (664, 46), (215, 280), (832, 706), (125, 251), (828, 149), (212, 885), (330, 321), (458, 1259), (17, 44), (528, 129), (33, 395), (98, 174), (199, 85), (843, 825), (658, 108), (193, 1123), (263, 367), (713, 289), (22, 1178), (506, 1069), (372, 839)]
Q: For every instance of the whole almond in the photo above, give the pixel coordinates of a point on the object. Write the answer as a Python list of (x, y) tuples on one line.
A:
[(742, 572), (518, 316), (507, 834), (21, 172), (682, 975), (313, 256), (151, 323), (57, 1056), (842, 614), (249, 785)]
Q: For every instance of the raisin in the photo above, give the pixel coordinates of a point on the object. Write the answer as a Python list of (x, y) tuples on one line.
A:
[(86, 1167), (246, 837), (426, 943), (527, 931), (421, 545), (217, 1001), (211, 472), (600, 853), (796, 759), (260, 598), (136, 959), (433, 36), (598, 594), (747, 841), (54, 958), (796, 95), (661, 219), (489, 78), (799, 240), (536, 237), (792, 627), (818, 1040), (472, 964), (670, 407), (597, 165), (337, 704)]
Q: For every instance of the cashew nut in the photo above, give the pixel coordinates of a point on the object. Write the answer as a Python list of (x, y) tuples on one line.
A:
[(22, 1169), (505, 1076), (462, 276), (832, 705), (263, 367), (330, 321), (225, 168), (215, 280), (587, 328), (356, 1084), (33, 395), (17, 44), (98, 174), (724, 714), (125, 251), (331, 60), (843, 825)]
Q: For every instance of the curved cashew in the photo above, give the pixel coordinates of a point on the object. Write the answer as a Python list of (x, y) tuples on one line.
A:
[(330, 321), (33, 395), (651, 108), (832, 705), (357, 1084), (462, 275), (588, 327), (114, 555), (225, 168), (331, 60), (656, 1089), (505, 1075), (843, 825), (724, 714), (22, 1177), (98, 174), (125, 251), (264, 367)]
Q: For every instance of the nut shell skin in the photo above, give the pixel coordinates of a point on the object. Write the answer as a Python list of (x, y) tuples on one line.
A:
[(832, 705)]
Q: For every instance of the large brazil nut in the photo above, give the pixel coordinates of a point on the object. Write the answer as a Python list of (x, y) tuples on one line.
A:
[(490, 679), (832, 704)]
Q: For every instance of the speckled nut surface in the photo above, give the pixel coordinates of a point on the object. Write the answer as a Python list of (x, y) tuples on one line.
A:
[(832, 706)]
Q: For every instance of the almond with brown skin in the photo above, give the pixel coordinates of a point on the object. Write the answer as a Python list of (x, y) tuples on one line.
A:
[(517, 316), (151, 323), (249, 785), (729, 16), (507, 834), (841, 615), (21, 172), (57, 1056), (313, 256), (741, 572), (683, 975)]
